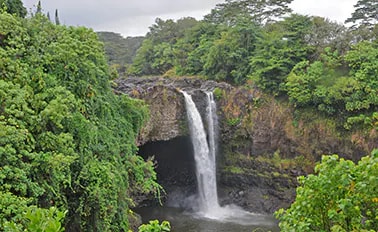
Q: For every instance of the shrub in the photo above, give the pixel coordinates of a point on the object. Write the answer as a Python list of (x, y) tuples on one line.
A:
[(341, 196)]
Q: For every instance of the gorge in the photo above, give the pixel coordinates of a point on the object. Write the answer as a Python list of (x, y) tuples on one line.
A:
[(263, 147), (204, 205)]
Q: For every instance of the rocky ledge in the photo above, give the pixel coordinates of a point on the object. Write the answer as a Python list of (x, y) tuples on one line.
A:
[(166, 103)]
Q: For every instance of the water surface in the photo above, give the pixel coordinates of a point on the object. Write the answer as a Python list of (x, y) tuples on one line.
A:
[(184, 221)]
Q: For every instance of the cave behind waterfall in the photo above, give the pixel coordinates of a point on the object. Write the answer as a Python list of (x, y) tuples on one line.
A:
[(175, 169)]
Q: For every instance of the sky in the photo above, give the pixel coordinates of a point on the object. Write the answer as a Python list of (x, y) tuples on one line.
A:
[(133, 17)]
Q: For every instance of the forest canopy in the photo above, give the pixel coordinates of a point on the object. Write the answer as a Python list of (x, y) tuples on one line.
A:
[(313, 62)]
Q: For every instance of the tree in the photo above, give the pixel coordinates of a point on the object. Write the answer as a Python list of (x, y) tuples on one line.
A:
[(228, 57), (326, 33), (281, 47), (39, 8), (191, 50), (363, 102), (14, 7), (323, 84), (156, 55), (340, 196), (120, 51), (365, 14), (162, 31), (57, 21), (341, 85), (260, 11)]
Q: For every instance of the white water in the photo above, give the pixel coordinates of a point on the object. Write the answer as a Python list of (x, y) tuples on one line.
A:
[(205, 158), (212, 124)]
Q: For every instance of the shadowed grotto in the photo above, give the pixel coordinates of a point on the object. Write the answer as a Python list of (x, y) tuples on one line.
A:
[(175, 168)]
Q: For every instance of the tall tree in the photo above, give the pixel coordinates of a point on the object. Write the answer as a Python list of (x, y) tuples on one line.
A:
[(260, 11), (57, 21), (326, 33), (365, 14), (39, 8), (228, 57), (281, 47)]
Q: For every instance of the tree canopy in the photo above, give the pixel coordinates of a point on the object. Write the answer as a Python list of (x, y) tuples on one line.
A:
[(258, 11), (365, 14), (341, 196), (13, 7), (310, 60)]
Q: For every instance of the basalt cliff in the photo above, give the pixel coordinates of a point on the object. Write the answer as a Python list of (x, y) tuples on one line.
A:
[(264, 145)]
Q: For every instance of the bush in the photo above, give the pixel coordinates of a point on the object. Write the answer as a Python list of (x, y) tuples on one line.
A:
[(154, 226), (341, 196)]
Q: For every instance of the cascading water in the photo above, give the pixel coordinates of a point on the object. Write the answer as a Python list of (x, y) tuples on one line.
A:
[(212, 124), (204, 157), (223, 218)]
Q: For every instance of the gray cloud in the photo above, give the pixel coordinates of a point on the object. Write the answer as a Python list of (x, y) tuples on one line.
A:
[(133, 17), (94, 12), (337, 10)]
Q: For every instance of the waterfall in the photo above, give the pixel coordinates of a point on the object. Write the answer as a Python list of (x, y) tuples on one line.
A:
[(205, 158), (212, 124), (204, 154)]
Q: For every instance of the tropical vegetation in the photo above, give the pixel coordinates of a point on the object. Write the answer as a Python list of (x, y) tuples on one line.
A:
[(341, 196), (68, 143), (313, 62)]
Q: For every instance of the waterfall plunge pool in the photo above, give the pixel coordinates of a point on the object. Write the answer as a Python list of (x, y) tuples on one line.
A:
[(182, 220), (208, 215)]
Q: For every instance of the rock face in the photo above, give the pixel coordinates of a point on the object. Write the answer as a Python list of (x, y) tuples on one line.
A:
[(263, 146), (166, 103)]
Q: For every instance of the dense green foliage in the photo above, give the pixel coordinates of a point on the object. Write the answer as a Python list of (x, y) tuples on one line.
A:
[(120, 51), (14, 7), (343, 85), (341, 196), (66, 140), (365, 14), (281, 47), (67, 143), (154, 226), (38, 219), (312, 61), (157, 53), (231, 11)]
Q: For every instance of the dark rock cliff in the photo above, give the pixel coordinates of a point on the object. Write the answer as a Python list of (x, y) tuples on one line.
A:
[(166, 103), (263, 146)]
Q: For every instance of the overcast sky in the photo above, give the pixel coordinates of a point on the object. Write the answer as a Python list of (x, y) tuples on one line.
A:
[(133, 17)]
